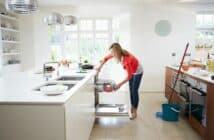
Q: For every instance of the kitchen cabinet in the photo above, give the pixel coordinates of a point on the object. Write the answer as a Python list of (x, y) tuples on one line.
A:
[(28, 114), (205, 126)]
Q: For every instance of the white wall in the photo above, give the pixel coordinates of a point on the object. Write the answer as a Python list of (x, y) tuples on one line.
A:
[(27, 41), (154, 51), (41, 40)]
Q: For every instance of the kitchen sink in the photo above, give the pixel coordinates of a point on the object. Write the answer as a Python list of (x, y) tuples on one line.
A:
[(70, 78), (69, 85)]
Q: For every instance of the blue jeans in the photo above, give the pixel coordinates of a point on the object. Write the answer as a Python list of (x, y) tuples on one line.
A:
[(134, 84)]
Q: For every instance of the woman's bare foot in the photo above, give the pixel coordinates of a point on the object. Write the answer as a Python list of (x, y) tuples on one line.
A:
[(134, 114), (132, 109), (133, 117)]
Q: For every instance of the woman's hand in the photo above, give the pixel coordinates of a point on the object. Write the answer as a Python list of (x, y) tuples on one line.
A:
[(117, 86)]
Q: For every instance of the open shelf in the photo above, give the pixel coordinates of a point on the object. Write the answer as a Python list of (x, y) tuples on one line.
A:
[(8, 17), (9, 42), (8, 29), (12, 42), (8, 54)]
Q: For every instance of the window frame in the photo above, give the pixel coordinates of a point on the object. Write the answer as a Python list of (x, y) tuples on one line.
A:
[(93, 31)]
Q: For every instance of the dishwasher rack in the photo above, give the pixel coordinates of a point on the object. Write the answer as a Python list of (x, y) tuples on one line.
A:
[(107, 109)]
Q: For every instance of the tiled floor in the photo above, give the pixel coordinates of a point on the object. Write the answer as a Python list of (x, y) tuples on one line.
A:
[(145, 127)]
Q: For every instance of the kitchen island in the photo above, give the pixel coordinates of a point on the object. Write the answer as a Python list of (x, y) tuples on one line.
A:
[(28, 114), (194, 92)]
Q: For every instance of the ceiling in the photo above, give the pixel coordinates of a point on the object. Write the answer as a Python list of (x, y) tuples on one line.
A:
[(118, 2)]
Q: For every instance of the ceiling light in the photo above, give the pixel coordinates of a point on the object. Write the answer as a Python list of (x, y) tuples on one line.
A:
[(21, 6), (53, 19), (70, 20)]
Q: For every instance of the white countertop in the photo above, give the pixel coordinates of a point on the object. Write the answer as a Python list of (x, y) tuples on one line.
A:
[(18, 88), (195, 73)]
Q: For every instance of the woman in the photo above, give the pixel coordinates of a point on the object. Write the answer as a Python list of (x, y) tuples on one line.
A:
[(134, 73)]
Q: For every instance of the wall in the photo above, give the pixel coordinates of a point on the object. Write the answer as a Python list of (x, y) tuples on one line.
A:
[(26, 26), (154, 51), (41, 40)]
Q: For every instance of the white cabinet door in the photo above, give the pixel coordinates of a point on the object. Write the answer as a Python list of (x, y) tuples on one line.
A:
[(80, 113)]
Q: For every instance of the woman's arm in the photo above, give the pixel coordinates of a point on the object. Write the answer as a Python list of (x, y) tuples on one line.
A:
[(121, 83), (129, 76), (100, 66), (103, 62)]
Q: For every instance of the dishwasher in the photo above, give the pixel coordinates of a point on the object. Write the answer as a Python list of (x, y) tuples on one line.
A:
[(106, 86)]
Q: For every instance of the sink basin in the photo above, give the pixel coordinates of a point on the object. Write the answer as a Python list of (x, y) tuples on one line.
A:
[(70, 78), (52, 84)]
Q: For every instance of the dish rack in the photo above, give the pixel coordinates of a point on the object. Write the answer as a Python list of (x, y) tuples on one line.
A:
[(107, 86)]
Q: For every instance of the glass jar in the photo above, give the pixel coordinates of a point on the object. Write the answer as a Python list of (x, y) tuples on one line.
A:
[(186, 62)]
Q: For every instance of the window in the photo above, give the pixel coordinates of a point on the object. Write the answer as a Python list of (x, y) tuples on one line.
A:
[(55, 33), (204, 35), (88, 40), (86, 25)]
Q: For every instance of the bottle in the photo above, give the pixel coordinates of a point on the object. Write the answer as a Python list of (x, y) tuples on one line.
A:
[(208, 62)]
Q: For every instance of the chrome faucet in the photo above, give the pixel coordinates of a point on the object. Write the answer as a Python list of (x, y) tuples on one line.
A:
[(45, 69)]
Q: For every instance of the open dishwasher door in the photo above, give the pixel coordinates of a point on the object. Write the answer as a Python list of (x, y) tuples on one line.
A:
[(111, 110), (107, 109)]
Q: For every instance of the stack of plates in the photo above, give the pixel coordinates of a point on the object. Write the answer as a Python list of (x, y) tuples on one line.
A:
[(203, 73), (53, 89)]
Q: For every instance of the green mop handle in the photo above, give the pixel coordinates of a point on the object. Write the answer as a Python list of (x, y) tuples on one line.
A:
[(179, 70)]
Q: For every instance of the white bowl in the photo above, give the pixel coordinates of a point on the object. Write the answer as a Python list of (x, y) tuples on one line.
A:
[(53, 89)]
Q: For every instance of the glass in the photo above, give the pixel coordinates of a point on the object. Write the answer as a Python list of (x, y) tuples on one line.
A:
[(100, 49), (55, 33), (186, 62), (116, 24), (116, 37), (101, 25), (71, 50), (86, 25), (70, 36), (101, 35), (70, 27), (199, 20), (56, 53), (86, 47), (208, 19)]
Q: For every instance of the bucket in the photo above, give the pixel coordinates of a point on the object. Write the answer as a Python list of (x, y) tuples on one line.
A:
[(170, 112)]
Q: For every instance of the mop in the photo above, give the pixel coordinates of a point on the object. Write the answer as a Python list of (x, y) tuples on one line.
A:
[(170, 111)]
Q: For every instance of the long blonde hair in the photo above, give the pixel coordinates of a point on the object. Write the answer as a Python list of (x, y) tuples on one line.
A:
[(116, 47)]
